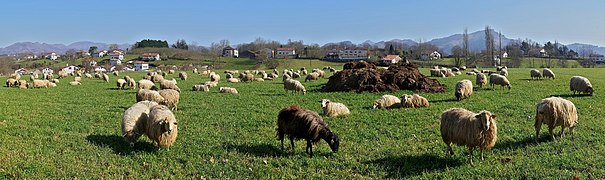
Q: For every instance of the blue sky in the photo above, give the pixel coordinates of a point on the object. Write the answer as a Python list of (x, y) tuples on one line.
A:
[(313, 21)]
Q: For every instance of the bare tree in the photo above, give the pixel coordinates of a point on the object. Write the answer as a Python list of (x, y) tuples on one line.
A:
[(457, 52), (489, 45), (465, 46)]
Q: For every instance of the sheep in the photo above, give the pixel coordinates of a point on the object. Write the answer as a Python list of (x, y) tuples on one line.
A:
[(157, 78), (77, 78), (387, 102), (496, 79), (98, 76), (547, 73), (504, 72), (183, 76), (215, 77), (300, 123), (437, 73), (51, 84), (121, 83), (115, 73), (319, 72), (11, 82), (304, 72), (333, 109), (464, 89), (201, 87), (171, 71), (132, 83), (312, 76), (23, 84), (580, 84), (273, 75), (413, 101), (275, 71), (465, 128), (31, 78), (171, 98), (471, 73), (195, 71), (227, 76), (169, 84), (40, 83), (75, 83), (463, 68), (105, 78), (54, 80), (134, 119), (87, 75), (481, 80), (534, 73), (286, 76), (295, 75), (259, 79), (228, 90), (146, 84), (211, 83), (149, 95), (247, 77), (164, 74), (475, 71), (295, 86), (161, 126), (555, 111), (233, 80)]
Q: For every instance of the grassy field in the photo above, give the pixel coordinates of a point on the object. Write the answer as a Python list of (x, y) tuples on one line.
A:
[(74, 131)]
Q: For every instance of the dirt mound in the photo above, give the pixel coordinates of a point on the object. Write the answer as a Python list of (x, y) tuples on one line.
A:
[(362, 76)]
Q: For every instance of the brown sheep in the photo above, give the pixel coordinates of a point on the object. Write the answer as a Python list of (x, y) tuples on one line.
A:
[(414, 101), (299, 123)]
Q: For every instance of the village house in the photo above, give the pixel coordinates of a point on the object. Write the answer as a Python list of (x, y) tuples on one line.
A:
[(140, 65), (248, 54), (100, 53), (230, 52), (347, 55), (52, 56), (435, 55), (70, 69), (390, 59), (151, 57), (285, 53), (47, 71)]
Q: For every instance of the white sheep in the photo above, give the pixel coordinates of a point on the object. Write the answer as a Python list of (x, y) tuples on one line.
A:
[(171, 98), (534, 73), (387, 102), (75, 83), (161, 126), (496, 79), (312, 76), (201, 87), (229, 90), (547, 73), (105, 78), (134, 119), (233, 80), (146, 84), (504, 72), (580, 84), (211, 83), (149, 95), (294, 86), (465, 128), (555, 111), (121, 83), (169, 84), (182, 75), (333, 109), (464, 89), (413, 101), (40, 83)]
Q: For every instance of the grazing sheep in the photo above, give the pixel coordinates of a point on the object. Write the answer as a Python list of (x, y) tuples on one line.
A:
[(387, 102), (465, 128), (161, 126), (169, 84), (40, 83), (75, 83), (504, 72), (437, 73), (273, 75), (275, 71), (476, 71), (233, 80), (157, 78), (132, 83), (285, 76), (481, 80), (115, 73), (304, 72), (333, 109), (134, 119), (77, 78), (319, 72), (51, 84), (11, 82), (299, 123), (534, 73), (464, 89), (471, 73), (147, 84), (580, 84), (171, 71), (294, 85), (98, 76), (31, 78), (295, 75), (195, 71), (121, 83), (547, 73), (171, 98), (105, 78), (164, 74), (463, 68), (23, 84), (211, 83), (201, 87), (149, 95), (555, 111), (228, 90), (496, 79), (414, 101), (500, 68), (312, 76), (87, 75), (183, 76)]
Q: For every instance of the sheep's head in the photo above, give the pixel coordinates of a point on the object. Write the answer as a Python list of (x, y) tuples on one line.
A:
[(589, 90), (167, 125), (333, 141), (405, 98), (376, 105), (131, 137), (486, 118), (324, 102)]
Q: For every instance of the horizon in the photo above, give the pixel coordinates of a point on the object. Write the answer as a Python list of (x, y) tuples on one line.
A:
[(313, 22)]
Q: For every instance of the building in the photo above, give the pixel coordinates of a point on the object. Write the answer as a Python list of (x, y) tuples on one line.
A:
[(504, 55), (285, 53), (52, 56), (435, 55), (115, 62), (248, 54), (390, 59), (116, 56), (70, 69), (597, 58), (100, 53), (140, 65), (230, 52), (151, 57), (347, 55), (47, 71)]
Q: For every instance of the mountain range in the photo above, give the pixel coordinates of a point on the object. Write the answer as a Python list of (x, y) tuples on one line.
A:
[(445, 44)]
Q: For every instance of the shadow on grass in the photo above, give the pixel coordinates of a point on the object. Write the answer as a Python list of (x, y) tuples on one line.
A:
[(569, 95), (525, 142), (118, 145), (273, 94), (443, 100), (408, 165), (259, 150)]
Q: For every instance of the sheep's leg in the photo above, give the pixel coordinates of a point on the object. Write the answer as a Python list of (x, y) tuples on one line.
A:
[(571, 132), (449, 149), (470, 154), (551, 132), (561, 133), (481, 150), (537, 125), (292, 143), (310, 147)]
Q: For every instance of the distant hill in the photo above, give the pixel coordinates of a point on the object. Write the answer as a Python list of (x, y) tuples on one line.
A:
[(581, 48), (476, 41), (38, 48)]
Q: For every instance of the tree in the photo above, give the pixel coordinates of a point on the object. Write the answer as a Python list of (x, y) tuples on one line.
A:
[(489, 45), (465, 46), (92, 49), (458, 52), (391, 49), (150, 43), (515, 54), (180, 44), (113, 47), (263, 59)]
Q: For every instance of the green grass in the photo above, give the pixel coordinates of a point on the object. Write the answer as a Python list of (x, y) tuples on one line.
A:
[(74, 131)]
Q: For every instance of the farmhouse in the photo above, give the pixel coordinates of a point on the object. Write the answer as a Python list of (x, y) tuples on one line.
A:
[(347, 55), (52, 56), (100, 53), (435, 55), (47, 71), (390, 59), (230, 52), (140, 65), (116, 56), (285, 53), (151, 57), (248, 54), (70, 69)]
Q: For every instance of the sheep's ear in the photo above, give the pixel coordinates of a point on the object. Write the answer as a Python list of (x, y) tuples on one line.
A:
[(478, 116), (175, 123), (493, 116)]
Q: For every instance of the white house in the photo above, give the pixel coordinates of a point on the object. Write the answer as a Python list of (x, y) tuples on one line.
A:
[(70, 69), (140, 65), (115, 62), (151, 56), (285, 53), (52, 56), (353, 54), (504, 55), (596, 57), (230, 52), (390, 59), (435, 55), (47, 71), (116, 56)]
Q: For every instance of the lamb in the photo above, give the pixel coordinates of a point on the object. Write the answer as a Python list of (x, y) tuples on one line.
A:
[(333, 109), (580, 84), (75, 83), (161, 126), (556, 111), (319, 72), (171, 98), (201, 87), (77, 78), (547, 73), (23, 84), (504, 72), (295, 75), (464, 89), (121, 83), (169, 84), (228, 90), (414, 101), (312, 76), (233, 80), (11, 82), (285, 76), (146, 84), (466, 128), (295, 86), (115, 73), (134, 119), (300, 123), (387, 102), (149, 95), (40, 83), (228, 76), (105, 78), (32, 77), (195, 71), (183, 75), (534, 73), (496, 79)]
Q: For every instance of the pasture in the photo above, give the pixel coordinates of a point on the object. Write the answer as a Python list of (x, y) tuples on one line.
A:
[(74, 131)]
